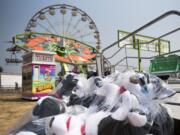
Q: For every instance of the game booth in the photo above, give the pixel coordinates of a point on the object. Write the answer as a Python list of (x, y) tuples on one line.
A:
[(38, 74)]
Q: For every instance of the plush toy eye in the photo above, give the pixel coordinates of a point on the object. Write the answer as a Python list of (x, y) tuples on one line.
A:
[(142, 81)]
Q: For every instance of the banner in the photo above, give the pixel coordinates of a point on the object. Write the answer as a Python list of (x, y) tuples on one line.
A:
[(131, 42)]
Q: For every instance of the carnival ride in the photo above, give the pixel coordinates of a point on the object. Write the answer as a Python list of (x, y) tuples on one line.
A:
[(64, 29), (13, 58), (73, 35), (76, 39), (68, 50), (164, 66)]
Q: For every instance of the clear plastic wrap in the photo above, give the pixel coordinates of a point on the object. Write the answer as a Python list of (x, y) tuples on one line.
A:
[(122, 103)]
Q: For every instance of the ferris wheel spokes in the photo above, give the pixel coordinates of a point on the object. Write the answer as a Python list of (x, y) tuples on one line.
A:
[(52, 26), (65, 20), (44, 28)]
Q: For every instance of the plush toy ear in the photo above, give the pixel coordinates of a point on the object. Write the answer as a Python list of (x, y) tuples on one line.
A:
[(67, 85), (159, 89), (47, 107), (166, 91)]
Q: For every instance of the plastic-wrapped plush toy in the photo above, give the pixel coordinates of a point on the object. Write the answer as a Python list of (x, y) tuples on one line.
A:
[(56, 102), (151, 92), (123, 103), (93, 83), (50, 105), (118, 109), (88, 122)]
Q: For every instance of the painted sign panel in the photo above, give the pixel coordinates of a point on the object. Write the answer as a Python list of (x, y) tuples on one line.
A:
[(132, 42), (43, 79)]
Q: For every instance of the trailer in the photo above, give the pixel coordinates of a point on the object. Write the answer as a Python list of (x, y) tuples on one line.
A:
[(14, 81)]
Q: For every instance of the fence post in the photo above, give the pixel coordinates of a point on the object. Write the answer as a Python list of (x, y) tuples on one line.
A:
[(99, 64), (139, 55)]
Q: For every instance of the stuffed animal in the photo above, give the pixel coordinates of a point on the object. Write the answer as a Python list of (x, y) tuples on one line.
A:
[(120, 104), (96, 121), (92, 85), (50, 105)]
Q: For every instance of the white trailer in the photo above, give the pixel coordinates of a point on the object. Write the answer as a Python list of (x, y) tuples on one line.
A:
[(8, 80)]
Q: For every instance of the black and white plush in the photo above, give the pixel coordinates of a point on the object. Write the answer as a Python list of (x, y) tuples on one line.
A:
[(98, 120), (120, 104), (50, 105), (94, 83), (54, 103)]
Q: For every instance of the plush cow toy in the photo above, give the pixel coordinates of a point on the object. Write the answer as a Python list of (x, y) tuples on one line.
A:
[(126, 104), (103, 119), (50, 105), (93, 84), (151, 92)]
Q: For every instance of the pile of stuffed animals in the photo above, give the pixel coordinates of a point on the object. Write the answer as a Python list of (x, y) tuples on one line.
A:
[(126, 103)]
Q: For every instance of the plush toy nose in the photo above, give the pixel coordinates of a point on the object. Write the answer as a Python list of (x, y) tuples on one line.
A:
[(122, 89)]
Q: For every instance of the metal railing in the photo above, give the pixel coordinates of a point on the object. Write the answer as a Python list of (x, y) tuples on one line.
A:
[(173, 12), (158, 38)]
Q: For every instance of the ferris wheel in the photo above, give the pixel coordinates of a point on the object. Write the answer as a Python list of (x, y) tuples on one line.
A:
[(65, 21), (66, 30)]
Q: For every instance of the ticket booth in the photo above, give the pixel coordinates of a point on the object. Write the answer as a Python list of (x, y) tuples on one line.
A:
[(38, 74)]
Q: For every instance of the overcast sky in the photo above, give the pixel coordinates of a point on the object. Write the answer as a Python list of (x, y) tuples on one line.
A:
[(109, 16)]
